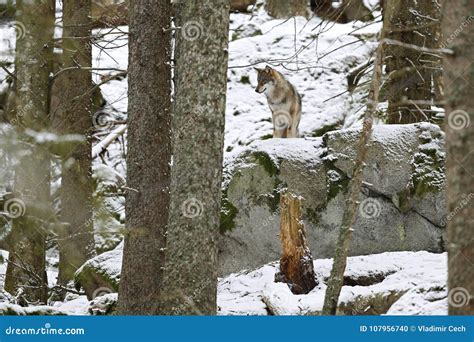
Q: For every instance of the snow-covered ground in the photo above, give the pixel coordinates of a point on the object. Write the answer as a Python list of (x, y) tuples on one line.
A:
[(395, 283), (414, 282)]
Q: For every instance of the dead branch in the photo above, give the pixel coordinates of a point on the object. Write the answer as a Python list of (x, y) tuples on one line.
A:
[(335, 281)]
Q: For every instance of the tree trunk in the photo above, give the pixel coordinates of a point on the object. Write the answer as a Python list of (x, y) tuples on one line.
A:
[(148, 157), (413, 75), (198, 130), (459, 78), (286, 8), (76, 242), (336, 278), (296, 263), (33, 64)]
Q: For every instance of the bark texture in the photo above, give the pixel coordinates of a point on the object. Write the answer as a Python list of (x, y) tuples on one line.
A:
[(198, 131), (148, 157), (76, 240), (33, 63), (296, 263), (414, 76), (286, 8), (458, 31)]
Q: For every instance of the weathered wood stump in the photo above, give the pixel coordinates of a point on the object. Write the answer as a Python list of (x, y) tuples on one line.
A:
[(296, 263)]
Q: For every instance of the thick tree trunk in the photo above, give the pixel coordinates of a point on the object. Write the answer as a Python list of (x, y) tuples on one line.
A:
[(286, 8), (459, 79), (76, 242), (198, 131), (413, 74), (33, 64), (296, 263), (148, 158)]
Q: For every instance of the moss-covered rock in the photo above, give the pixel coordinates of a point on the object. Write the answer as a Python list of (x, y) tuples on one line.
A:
[(319, 170), (100, 275)]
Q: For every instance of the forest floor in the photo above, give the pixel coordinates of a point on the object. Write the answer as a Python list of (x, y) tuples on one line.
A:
[(394, 283)]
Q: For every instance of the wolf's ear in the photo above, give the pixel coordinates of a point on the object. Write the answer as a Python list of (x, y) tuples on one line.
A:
[(268, 69), (258, 70)]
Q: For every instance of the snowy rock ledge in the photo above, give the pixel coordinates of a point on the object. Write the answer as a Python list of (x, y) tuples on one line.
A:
[(402, 202), (395, 283)]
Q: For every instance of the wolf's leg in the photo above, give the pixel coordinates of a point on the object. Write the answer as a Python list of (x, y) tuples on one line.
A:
[(297, 120), (292, 130), (278, 133)]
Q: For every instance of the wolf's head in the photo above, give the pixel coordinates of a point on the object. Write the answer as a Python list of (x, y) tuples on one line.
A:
[(266, 79)]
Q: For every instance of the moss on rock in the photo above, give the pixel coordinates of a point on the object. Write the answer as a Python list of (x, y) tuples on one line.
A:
[(266, 161), (228, 214)]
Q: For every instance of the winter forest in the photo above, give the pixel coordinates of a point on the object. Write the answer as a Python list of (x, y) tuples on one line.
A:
[(236, 157)]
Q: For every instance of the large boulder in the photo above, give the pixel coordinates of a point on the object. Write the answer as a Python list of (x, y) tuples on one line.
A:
[(103, 305), (100, 275), (402, 201)]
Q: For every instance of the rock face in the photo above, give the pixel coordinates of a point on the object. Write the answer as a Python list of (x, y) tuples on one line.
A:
[(100, 275), (402, 203)]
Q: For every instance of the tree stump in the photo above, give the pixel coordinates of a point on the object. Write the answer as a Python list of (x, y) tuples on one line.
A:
[(296, 263)]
